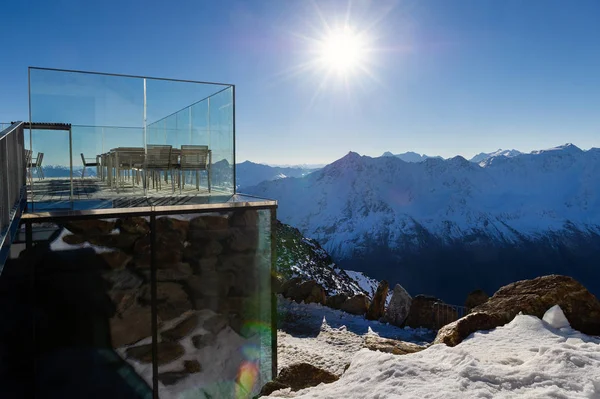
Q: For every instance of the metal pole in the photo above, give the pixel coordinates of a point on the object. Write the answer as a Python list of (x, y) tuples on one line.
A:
[(30, 138), (154, 310), (71, 162), (233, 138), (145, 139)]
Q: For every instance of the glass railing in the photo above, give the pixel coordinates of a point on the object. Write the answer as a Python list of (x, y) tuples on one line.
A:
[(112, 117), (179, 304)]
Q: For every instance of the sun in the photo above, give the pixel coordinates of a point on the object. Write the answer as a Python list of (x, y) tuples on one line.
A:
[(342, 51)]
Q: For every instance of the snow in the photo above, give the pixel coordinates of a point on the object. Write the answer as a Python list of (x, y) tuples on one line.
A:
[(330, 338), (556, 318), (526, 358), (59, 245)]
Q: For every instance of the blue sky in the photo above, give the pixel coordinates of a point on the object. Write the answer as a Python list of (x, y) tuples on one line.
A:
[(444, 77)]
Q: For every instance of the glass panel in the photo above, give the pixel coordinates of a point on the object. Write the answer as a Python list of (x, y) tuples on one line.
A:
[(92, 310), (214, 273), (115, 117)]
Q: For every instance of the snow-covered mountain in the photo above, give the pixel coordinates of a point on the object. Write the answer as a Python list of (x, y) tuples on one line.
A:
[(409, 156), (445, 227), (250, 173), (483, 156)]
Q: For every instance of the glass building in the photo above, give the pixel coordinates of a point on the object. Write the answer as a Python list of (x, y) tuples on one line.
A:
[(138, 270)]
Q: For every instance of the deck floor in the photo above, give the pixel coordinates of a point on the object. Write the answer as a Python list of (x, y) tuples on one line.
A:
[(89, 193)]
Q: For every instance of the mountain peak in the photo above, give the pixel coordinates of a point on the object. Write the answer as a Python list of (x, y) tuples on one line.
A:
[(387, 154)]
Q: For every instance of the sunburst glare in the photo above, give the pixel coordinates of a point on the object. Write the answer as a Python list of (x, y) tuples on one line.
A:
[(342, 51)]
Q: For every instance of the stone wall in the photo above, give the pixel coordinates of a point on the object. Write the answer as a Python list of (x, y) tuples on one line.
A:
[(207, 264)]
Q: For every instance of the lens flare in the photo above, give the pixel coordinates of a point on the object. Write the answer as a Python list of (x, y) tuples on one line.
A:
[(246, 379)]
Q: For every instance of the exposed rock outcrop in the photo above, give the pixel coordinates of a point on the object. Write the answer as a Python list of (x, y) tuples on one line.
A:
[(377, 307), (336, 301), (399, 307), (532, 297), (357, 304), (375, 343), (476, 298), (299, 376), (421, 312), (308, 291)]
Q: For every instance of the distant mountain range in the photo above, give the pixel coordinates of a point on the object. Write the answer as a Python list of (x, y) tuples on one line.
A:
[(446, 227), (409, 156), (250, 173)]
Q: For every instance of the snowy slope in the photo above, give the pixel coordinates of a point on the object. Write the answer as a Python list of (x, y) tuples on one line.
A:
[(368, 284), (298, 256), (499, 153), (380, 215), (526, 358)]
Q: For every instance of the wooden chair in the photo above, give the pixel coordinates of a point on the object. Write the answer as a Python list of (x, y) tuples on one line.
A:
[(195, 158)]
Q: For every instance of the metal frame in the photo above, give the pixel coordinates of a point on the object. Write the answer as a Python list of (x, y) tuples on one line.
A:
[(128, 76)]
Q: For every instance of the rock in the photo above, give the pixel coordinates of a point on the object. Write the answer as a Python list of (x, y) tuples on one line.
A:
[(73, 239), (172, 377), (119, 241), (210, 284), (443, 314), (132, 325), (377, 307), (277, 282), (357, 304), (290, 284), (399, 307), (192, 366), (303, 375), (208, 227), (556, 318), (133, 225), (123, 299), (452, 334), (181, 330), (115, 260), (336, 301), (271, 387), (308, 291), (376, 343), (202, 248), (476, 298), (172, 300), (173, 227), (532, 297), (178, 272), (244, 218), (122, 279), (167, 352), (90, 227), (421, 312), (201, 341), (316, 293), (169, 250), (243, 239), (215, 324)]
